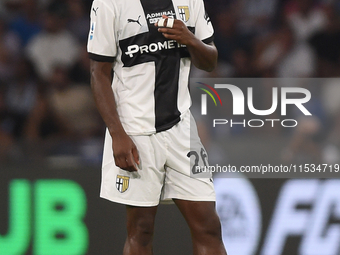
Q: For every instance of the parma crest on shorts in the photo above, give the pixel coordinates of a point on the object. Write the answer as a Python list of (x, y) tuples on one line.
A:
[(184, 13), (122, 183)]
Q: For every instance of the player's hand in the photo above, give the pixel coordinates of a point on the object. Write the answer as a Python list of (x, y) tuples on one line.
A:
[(125, 152), (178, 32)]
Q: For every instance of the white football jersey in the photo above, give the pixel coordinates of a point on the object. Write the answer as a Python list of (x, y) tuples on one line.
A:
[(151, 73)]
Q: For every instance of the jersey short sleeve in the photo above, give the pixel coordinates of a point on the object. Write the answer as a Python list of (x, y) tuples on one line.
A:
[(102, 37), (204, 28)]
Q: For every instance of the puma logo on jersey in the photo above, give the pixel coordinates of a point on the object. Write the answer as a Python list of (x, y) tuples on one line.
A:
[(207, 18), (95, 10), (136, 21)]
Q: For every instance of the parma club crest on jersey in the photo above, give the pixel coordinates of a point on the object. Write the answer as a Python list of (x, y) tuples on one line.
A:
[(122, 183), (184, 13)]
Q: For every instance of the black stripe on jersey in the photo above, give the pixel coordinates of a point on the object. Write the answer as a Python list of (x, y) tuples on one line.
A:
[(166, 54), (208, 40), (101, 58)]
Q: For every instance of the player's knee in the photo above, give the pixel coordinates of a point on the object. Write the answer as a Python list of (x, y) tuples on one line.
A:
[(141, 231), (210, 228)]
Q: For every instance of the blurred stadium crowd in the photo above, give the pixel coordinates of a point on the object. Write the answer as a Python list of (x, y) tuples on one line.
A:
[(46, 106)]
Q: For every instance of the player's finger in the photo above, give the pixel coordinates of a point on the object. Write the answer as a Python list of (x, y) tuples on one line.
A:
[(167, 31), (169, 36), (120, 162), (131, 164), (165, 21), (135, 155), (170, 22), (160, 22)]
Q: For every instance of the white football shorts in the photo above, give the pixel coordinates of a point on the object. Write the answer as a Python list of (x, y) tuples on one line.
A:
[(168, 161)]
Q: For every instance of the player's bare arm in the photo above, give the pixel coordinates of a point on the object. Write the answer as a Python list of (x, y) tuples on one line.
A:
[(124, 150), (203, 56)]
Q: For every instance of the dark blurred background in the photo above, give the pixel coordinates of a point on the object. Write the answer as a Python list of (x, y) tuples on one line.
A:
[(46, 107)]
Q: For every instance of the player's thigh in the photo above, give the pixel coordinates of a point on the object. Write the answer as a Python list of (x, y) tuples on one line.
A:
[(140, 219), (187, 154), (182, 181)]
